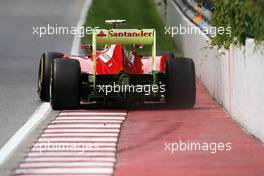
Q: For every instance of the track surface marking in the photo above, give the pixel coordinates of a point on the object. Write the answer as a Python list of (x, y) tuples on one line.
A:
[(79, 146)]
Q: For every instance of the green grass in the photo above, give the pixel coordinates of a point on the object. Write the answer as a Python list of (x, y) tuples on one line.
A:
[(138, 13)]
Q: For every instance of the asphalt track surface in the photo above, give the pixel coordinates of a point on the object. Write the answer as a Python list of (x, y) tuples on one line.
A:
[(20, 51)]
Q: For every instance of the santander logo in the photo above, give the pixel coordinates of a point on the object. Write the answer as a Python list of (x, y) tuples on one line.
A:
[(121, 33), (101, 34)]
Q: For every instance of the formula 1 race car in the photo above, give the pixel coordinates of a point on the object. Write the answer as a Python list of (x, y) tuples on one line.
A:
[(116, 75)]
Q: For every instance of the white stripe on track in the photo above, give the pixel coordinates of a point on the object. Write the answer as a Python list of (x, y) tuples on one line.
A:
[(91, 144), (66, 170), (79, 134), (77, 40), (86, 121), (63, 174), (83, 149), (90, 118), (35, 119), (76, 130), (70, 159), (78, 139), (84, 126), (92, 113), (71, 154), (65, 164)]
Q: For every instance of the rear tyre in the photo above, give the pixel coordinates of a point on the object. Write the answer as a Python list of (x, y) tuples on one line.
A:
[(65, 84), (44, 74), (180, 83)]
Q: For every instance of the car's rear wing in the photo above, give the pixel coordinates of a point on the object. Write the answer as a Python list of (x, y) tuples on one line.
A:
[(124, 37)]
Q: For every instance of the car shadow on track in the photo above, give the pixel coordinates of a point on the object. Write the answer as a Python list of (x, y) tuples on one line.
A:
[(158, 107), (147, 106)]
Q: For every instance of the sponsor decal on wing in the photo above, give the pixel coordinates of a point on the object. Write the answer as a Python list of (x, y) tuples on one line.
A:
[(105, 57)]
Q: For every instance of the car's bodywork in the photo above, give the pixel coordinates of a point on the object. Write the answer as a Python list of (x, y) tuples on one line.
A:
[(115, 59), (116, 74), (115, 63)]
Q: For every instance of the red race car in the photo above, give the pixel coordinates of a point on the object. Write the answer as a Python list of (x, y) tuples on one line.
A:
[(116, 75)]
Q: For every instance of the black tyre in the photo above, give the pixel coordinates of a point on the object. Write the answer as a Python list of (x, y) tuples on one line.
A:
[(44, 74), (180, 83), (65, 84)]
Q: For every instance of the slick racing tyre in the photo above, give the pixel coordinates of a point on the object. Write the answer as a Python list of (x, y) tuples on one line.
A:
[(44, 74), (65, 84), (180, 83)]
